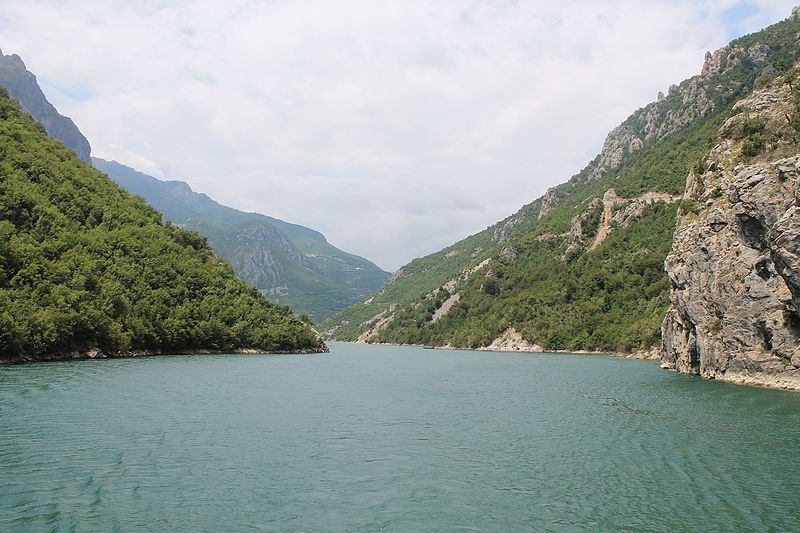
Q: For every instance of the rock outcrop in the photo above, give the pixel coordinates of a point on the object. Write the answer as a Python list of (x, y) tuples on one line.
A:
[(610, 201), (683, 104), (600, 217), (259, 251), (511, 341), (377, 324), (502, 233), (446, 306), (633, 210), (549, 201), (735, 261)]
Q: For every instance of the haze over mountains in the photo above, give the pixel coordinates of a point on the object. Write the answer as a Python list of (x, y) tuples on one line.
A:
[(582, 267), (288, 263)]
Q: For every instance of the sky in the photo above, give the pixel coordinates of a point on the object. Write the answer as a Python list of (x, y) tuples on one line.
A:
[(393, 127)]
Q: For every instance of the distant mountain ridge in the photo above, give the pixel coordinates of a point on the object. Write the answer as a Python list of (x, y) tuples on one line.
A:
[(22, 86), (289, 263)]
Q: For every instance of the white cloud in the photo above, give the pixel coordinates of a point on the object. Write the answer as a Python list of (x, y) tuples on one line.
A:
[(395, 128)]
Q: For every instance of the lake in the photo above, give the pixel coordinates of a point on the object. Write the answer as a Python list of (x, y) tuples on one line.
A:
[(392, 438)]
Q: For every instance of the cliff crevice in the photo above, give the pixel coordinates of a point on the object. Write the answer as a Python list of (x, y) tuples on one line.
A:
[(734, 267)]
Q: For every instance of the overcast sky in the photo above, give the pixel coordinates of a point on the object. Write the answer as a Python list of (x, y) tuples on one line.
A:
[(394, 127)]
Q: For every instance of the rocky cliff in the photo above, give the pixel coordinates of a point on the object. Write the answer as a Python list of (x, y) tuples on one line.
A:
[(734, 267), (580, 268), (22, 86), (727, 74)]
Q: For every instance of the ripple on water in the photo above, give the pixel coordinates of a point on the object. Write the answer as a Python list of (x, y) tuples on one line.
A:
[(388, 438)]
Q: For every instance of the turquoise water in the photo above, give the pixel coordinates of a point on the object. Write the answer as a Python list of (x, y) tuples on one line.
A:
[(392, 438)]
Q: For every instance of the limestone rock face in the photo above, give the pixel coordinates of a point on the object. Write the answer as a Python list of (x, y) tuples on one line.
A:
[(684, 103), (615, 211), (502, 233), (509, 254), (549, 201), (581, 226), (511, 341), (735, 261), (446, 306), (377, 324), (260, 248)]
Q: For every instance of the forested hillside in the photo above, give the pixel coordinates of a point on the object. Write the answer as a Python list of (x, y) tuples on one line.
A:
[(581, 267), (86, 267), (289, 263)]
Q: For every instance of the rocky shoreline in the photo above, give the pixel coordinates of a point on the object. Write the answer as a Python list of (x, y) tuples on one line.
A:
[(511, 341), (95, 353), (651, 354), (788, 381)]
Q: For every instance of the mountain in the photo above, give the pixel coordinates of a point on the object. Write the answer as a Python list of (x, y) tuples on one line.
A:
[(86, 269), (582, 267), (289, 263), (22, 86), (734, 266)]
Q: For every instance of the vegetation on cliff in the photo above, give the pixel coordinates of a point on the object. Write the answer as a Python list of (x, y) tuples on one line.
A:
[(734, 265), (581, 267), (84, 265)]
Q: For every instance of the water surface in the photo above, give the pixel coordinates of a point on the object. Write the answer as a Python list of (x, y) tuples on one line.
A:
[(392, 438)]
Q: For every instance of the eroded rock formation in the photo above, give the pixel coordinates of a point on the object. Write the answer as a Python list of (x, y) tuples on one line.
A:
[(735, 261)]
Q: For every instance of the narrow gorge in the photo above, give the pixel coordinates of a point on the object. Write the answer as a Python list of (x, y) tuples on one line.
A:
[(597, 263)]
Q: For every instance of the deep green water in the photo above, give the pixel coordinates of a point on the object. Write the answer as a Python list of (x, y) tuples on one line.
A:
[(387, 438)]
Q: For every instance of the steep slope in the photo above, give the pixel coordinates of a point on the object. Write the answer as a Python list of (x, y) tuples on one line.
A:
[(22, 86), (735, 261), (289, 263), (85, 268), (582, 266)]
